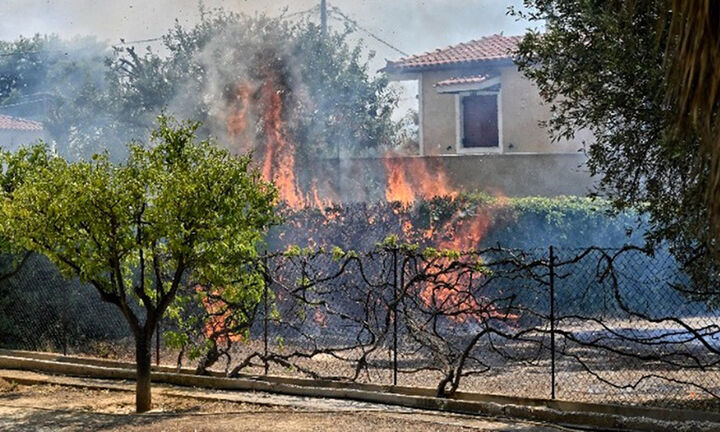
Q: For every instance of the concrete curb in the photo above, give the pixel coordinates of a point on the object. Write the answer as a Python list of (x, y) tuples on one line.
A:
[(594, 416)]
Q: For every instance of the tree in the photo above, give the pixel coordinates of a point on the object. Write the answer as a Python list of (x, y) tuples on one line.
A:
[(602, 66), (693, 72), (16, 167), (58, 82), (177, 213), (331, 101)]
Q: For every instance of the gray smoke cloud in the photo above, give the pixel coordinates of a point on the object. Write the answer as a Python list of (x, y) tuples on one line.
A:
[(411, 25)]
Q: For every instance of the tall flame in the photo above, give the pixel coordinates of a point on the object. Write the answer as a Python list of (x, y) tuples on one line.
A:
[(397, 188), (237, 120), (279, 163), (274, 147)]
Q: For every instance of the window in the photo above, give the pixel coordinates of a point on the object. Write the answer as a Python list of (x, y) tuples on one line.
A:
[(480, 125)]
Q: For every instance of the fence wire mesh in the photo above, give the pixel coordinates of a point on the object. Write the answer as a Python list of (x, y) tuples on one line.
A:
[(598, 325)]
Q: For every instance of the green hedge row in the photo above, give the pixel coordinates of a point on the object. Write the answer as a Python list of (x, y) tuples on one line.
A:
[(533, 222)]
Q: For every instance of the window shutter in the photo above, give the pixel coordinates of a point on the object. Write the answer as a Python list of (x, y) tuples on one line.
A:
[(480, 121)]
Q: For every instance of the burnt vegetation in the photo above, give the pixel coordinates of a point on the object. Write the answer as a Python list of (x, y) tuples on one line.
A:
[(402, 315)]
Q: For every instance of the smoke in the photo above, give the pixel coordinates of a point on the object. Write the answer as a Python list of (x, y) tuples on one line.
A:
[(250, 86), (411, 25)]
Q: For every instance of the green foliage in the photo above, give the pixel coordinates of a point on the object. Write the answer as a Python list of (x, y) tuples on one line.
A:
[(337, 253), (332, 101), (561, 221), (176, 213), (184, 204), (389, 242), (14, 169), (293, 251), (430, 253), (601, 67)]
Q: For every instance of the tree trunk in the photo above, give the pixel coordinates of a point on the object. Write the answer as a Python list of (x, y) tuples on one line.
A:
[(209, 359), (143, 401)]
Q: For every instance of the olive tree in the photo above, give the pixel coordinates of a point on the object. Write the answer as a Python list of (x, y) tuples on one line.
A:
[(604, 67), (177, 212)]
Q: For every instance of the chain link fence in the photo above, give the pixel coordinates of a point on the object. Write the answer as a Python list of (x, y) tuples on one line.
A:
[(42, 311), (594, 324)]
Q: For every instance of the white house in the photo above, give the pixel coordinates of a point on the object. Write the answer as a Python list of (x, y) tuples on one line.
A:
[(482, 118), (15, 132)]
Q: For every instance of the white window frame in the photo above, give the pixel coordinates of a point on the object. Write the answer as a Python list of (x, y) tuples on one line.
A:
[(460, 123), (421, 116)]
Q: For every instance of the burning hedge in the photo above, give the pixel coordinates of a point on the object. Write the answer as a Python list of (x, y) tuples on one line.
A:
[(461, 222)]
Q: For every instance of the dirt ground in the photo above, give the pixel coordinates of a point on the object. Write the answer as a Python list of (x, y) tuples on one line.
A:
[(64, 408), (508, 378)]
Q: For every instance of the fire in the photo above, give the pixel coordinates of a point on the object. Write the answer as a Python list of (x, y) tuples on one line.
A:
[(257, 116), (279, 163), (219, 314), (407, 181), (451, 292), (273, 145), (410, 179), (237, 120), (464, 234), (397, 189)]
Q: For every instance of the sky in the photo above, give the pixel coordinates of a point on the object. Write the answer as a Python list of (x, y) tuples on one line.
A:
[(413, 26)]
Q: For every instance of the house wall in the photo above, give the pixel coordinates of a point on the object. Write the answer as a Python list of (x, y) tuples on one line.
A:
[(438, 115), (548, 174), (13, 139), (521, 109)]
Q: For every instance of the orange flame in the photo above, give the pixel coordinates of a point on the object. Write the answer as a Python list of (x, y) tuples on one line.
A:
[(279, 164), (237, 120), (218, 315), (397, 189), (409, 179), (277, 150)]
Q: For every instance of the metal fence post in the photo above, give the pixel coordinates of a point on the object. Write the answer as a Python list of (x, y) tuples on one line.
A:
[(64, 329), (266, 271), (157, 325), (551, 267), (394, 312)]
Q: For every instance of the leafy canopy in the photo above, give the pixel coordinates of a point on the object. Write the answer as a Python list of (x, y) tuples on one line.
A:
[(95, 98), (178, 211), (13, 170), (601, 66), (330, 96)]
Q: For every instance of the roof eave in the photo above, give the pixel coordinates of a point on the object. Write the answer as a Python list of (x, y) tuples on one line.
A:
[(394, 69), (467, 87)]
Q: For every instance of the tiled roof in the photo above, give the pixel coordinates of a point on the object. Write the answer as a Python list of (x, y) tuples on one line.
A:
[(495, 47), (14, 123), (462, 80)]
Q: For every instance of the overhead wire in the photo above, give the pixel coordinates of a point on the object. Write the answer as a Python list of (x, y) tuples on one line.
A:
[(28, 102), (75, 49), (334, 10), (295, 14)]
